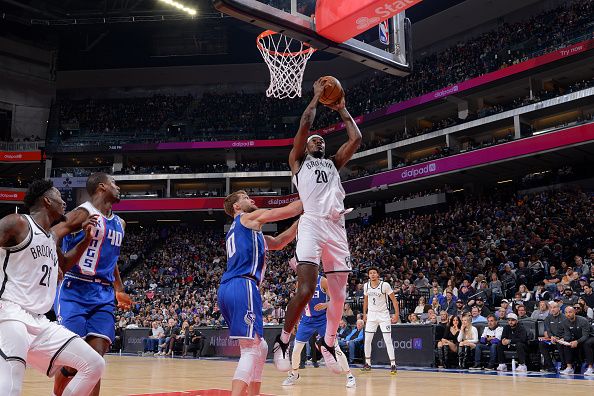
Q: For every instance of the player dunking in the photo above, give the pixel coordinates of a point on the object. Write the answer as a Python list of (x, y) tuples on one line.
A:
[(29, 277), (376, 313), (85, 301), (239, 295), (321, 233), (314, 320)]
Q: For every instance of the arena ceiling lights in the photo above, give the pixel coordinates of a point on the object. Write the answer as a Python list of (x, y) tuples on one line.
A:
[(180, 6)]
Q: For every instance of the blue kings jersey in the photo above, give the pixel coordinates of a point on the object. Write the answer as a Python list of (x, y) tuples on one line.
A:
[(102, 255), (246, 252), (319, 296)]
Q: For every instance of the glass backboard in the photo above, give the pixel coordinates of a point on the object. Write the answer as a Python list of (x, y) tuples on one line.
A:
[(386, 47)]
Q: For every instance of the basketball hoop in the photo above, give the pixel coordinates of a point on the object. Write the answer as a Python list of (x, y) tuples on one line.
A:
[(286, 59)]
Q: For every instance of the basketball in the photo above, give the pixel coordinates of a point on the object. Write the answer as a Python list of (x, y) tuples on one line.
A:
[(333, 91)]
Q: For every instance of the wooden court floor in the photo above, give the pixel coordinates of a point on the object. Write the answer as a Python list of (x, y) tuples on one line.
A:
[(189, 377)]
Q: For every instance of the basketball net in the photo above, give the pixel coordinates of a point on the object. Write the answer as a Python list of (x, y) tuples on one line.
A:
[(286, 59)]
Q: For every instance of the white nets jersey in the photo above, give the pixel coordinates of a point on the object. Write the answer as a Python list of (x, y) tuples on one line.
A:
[(377, 297), (319, 187), (29, 273)]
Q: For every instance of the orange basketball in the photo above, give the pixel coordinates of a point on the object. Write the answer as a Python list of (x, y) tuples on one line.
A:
[(333, 91)]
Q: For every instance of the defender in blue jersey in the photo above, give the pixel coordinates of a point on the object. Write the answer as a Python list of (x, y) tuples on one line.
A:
[(239, 296), (313, 320), (85, 300)]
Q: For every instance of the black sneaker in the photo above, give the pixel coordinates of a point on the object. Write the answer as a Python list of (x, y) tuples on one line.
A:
[(490, 367), (476, 366), (366, 368), (301, 366), (316, 364), (393, 370), (329, 354), (281, 355)]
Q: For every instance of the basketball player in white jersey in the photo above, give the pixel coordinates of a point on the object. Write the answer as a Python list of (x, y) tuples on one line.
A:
[(376, 313), (321, 235), (29, 275)]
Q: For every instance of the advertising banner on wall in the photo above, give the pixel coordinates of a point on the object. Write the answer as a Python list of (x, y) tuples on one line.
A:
[(413, 346)]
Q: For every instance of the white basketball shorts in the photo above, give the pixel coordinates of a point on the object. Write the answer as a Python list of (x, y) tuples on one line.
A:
[(375, 319), (31, 338), (320, 239)]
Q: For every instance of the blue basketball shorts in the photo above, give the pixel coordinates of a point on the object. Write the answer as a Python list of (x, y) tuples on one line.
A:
[(308, 326), (86, 308), (241, 305)]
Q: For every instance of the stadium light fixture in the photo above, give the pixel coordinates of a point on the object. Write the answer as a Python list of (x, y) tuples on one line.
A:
[(180, 6), (458, 190), (505, 181), (167, 221)]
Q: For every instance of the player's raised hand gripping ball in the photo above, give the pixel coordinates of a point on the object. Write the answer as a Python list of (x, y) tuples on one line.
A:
[(333, 93)]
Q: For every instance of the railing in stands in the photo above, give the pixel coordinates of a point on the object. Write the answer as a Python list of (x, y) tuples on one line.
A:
[(21, 146)]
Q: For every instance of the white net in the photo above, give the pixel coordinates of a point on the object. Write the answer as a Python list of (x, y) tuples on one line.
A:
[(286, 59)]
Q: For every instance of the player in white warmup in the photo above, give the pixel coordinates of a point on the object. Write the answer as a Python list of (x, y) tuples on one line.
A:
[(321, 235), (28, 279), (376, 313)]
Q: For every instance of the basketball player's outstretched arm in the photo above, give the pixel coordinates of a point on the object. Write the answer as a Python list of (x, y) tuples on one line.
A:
[(255, 219), (280, 241), (346, 151), (70, 259), (298, 151), (73, 223)]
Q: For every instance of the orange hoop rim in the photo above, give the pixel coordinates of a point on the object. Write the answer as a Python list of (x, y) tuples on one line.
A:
[(266, 33)]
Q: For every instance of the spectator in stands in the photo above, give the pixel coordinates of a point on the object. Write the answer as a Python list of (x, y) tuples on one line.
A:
[(421, 282), (354, 340), (476, 316), (508, 278), (178, 337), (467, 340), (347, 311), (489, 339), (513, 337), (589, 352), (541, 293), (483, 309), (552, 279), (570, 277), (588, 295), (521, 312), (506, 306), (576, 331), (460, 309), (167, 334), (524, 293), (568, 297), (422, 307), (195, 341), (151, 344), (584, 309), (435, 306), (448, 345), (449, 305), (343, 330), (542, 312), (553, 331), (496, 288), (413, 318)]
